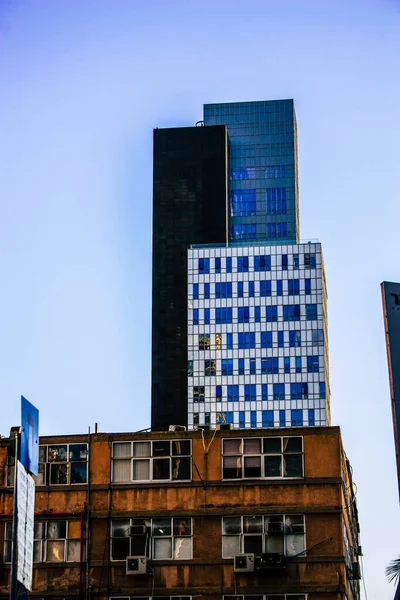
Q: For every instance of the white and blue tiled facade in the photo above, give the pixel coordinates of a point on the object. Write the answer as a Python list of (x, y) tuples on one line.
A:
[(257, 336)]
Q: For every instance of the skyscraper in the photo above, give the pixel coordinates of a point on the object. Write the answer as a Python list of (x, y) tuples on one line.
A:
[(255, 339)]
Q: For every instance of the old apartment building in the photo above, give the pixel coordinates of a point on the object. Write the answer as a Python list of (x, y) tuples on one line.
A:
[(223, 514)]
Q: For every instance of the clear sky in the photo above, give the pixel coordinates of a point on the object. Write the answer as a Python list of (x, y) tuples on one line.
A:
[(82, 85)]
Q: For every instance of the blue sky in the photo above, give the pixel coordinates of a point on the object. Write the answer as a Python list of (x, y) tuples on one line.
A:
[(82, 85)]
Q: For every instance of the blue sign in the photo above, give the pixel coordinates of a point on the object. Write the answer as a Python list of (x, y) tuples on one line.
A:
[(30, 436)]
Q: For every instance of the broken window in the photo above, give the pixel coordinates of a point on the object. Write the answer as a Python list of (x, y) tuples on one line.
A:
[(204, 341), (209, 368)]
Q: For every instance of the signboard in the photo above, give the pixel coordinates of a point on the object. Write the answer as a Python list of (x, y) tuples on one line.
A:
[(25, 512), (29, 455)]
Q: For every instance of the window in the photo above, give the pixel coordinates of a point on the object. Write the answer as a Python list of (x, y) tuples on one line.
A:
[(258, 597), (229, 341), (276, 230), (62, 464), (259, 534), (291, 312), (218, 393), (284, 262), (266, 339), (241, 231), (195, 316), (279, 391), (251, 289), (279, 287), (242, 264), (274, 457), (223, 289), (204, 341), (233, 393), (218, 342), (311, 417), (309, 261), (276, 201), (322, 390), (223, 316), (252, 366), (217, 264), (282, 418), (270, 365), (206, 316), (250, 392), (264, 392), (228, 264), (204, 265), (227, 366), (246, 339), (311, 312), (312, 364), (241, 366), (243, 203), (157, 598), (195, 291), (198, 393), (152, 460), (297, 417), (243, 173), (307, 286), (295, 261), (275, 171), (281, 341), (243, 314), (298, 364), (206, 291), (253, 419), (257, 314), (240, 289), (317, 337), (262, 263), (265, 288), (286, 364), (165, 538), (293, 287), (209, 368), (225, 417), (299, 391), (267, 418), (271, 314), (295, 339), (242, 419)]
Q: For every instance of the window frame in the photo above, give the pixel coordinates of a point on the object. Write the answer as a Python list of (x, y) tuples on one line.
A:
[(44, 477)]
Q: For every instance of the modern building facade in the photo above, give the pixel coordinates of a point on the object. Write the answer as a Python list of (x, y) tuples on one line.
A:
[(391, 317), (257, 336), (261, 514)]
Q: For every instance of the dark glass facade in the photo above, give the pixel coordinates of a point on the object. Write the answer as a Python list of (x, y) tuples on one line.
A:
[(189, 207), (263, 182)]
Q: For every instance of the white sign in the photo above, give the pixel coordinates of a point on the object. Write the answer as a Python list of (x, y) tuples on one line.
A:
[(25, 512)]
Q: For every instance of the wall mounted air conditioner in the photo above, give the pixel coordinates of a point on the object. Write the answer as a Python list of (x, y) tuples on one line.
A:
[(244, 563), (177, 428), (224, 426), (136, 565)]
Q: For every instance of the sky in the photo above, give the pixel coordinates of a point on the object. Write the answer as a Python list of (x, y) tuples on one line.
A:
[(82, 85)]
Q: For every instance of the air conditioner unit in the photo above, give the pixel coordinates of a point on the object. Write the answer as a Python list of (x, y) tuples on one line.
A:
[(244, 563), (177, 428), (275, 527), (136, 565), (224, 426), (272, 560), (137, 530)]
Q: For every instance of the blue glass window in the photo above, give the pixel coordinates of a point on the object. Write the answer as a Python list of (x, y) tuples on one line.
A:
[(279, 287), (206, 291), (267, 418), (299, 391), (228, 264), (240, 289), (312, 364), (204, 265), (227, 366), (282, 418), (246, 339), (243, 203), (223, 289), (271, 314), (264, 392), (241, 366), (310, 261), (311, 312), (317, 337), (307, 283), (298, 364), (275, 171), (250, 392), (322, 390), (251, 289), (265, 288), (257, 314), (225, 417), (217, 264), (276, 201), (284, 262), (311, 417), (195, 316), (266, 339), (295, 339), (229, 341), (295, 261), (243, 173), (242, 264), (281, 342), (272, 365), (253, 419), (291, 312), (262, 263), (242, 422), (293, 287), (223, 316), (252, 366), (297, 417), (206, 316), (243, 314), (241, 231), (276, 230), (195, 291), (279, 391), (218, 392), (286, 364), (233, 393)]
